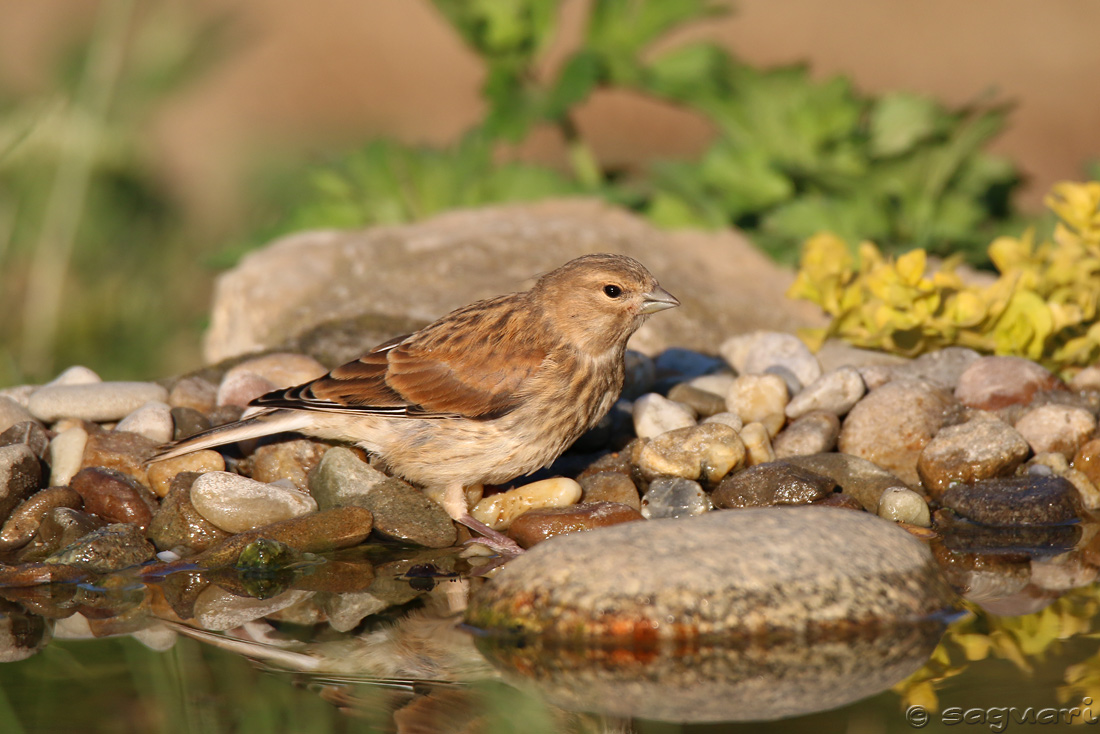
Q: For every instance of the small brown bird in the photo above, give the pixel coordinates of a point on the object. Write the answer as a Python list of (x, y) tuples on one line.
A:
[(489, 392)]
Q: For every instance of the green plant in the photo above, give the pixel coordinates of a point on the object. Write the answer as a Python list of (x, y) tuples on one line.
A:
[(1044, 305)]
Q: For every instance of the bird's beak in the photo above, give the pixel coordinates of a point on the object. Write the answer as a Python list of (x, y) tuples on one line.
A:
[(658, 299)]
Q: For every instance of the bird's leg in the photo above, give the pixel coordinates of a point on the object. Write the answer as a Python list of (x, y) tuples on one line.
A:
[(454, 502)]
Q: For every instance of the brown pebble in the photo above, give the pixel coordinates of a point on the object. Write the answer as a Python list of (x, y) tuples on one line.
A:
[(538, 525), (114, 496), (610, 486), (195, 393), (177, 523), (292, 460), (27, 517), (340, 527), (337, 577), (121, 451), (841, 500), (991, 383), (187, 422), (34, 574), (616, 462), (1087, 460), (161, 473), (31, 433)]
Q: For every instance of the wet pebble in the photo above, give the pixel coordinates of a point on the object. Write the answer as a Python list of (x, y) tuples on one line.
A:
[(755, 352), (20, 474), (856, 477), (291, 460), (318, 532), (152, 420), (758, 445), (195, 393), (706, 453), (67, 455), (899, 504), (1056, 428), (25, 520), (834, 392), (759, 399), (11, 413), (219, 610), (704, 403), (669, 497), (61, 527), (111, 548), (124, 452), (538, 525), (499, 510), (892, 424), (610, 486), (1087, 460), (655, 414), (991, 383), (1029, 500), (114, 496), (773, 483), (235, 504), (400, 511), (102, 401), (982, 448), (812, 433), (161, 473), (178, 524), (29, 433)]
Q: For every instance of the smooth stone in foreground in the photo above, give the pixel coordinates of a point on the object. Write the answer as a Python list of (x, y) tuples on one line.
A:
[(807, 573), (235, 504), (101, 401)]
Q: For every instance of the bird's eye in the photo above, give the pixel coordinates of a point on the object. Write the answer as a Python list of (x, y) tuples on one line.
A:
[(612, 291)]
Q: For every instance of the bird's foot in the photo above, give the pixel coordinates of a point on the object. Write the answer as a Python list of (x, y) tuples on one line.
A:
[(495, 540)]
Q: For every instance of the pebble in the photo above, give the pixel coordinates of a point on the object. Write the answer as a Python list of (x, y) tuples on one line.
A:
[(281, 369), (538, 525), (111, 548), (834, 392), (717, 384), (219, 610), (1005, 501), (178, 524), (76, 375), (235, 504), (195, 393), (1062, 573), (726, 419), (499, 510), (774, 483), (400, 511), (704, 403), (25, 520), (152, 420), (318, 532), (856, 477), (707, 453), (188, 422), (291, 460), (841, 501), (755, 352), (67, 455), (161, 473), (12, 413), (1056, 428), (98, 402), (992, 383), (942, 368), (899, 504), (758, 445), (29, 433), (610, 486), (1087, 379), (114, 496), (982, 576), (1087, 460), (812, 433), (892, 425), (124, 452), (20, 474), (982, 448), (655, 414), (759, 399), (743, 575), (674, 497), (241, 388), (1087, 491), (62, 526)]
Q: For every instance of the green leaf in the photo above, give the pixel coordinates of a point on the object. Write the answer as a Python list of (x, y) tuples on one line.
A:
[(744, 178), (578, 78), (901, 120)]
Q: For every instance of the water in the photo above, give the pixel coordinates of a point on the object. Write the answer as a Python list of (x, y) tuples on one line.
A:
[(132, 660)]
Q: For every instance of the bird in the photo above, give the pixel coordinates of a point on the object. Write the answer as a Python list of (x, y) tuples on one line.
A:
[(489, 392)]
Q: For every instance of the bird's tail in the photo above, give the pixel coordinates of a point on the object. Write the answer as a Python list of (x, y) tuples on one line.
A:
[(262, 423)]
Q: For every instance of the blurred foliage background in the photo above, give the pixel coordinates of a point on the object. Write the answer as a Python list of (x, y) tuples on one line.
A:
[(104, 262)]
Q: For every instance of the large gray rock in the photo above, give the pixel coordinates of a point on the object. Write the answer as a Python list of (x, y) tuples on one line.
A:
[(806, 572), (396, 278)]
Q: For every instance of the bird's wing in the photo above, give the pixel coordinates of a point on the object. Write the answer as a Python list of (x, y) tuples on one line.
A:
[(440, 372)]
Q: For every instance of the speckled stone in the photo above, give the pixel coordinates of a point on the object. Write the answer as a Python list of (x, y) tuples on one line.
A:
[(111, 548), (856, 477), (291, 460), (1056, 428), (124, 452), (812, 433), (535, 526), (20, 474), (991, 383), (774, 483), (655, 414), (103, 401), (610, 486), (401, 512), (759, 399), (236, 504), (834, 392), (25, 520), (114, 496), (152, 420), (705, 453), (674, 497), (1027, 500), (161, 473), (499, 510), (178, 524), (807, 571), (982, 448), (67, 455), (874, 429), (899, 504), (29, 433)]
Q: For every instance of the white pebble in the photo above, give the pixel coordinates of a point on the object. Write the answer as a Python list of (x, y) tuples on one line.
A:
[(834, 392), (499, 510), (99, 402), (152, 420), (242, 388), (67, 455), (236, 504), (11, 413), (20, 394), (759, 399), (655, 414), (755, 352), (75, 375), (900, 504)]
